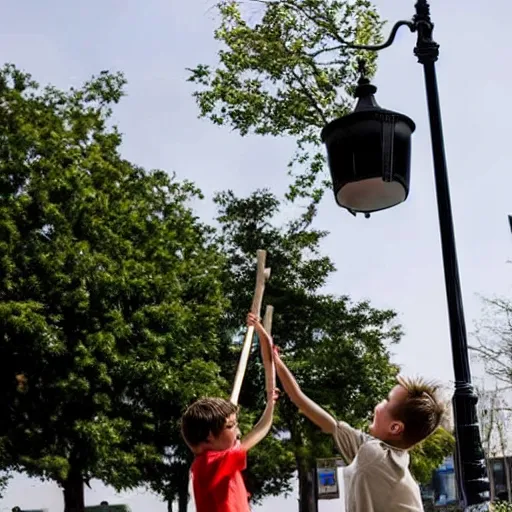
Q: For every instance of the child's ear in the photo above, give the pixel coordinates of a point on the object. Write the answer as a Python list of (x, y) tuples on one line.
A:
[(397, 428)]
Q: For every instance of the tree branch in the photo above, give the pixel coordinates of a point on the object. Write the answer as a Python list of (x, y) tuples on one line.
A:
[(326, 50), (317, 18), (489, 355), (310, 96), (331, 63)]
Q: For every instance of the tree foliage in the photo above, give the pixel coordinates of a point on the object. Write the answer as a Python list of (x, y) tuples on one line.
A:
[(4, 475), (493, 347), (494, 339), (110, 295), (430, 454), (284, 70), (502, 506), (495, 420)]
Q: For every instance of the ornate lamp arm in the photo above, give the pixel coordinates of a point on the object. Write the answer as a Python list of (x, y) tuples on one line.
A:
[(389, 42), (427, 50)]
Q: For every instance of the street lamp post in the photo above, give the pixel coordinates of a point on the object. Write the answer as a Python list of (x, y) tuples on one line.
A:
[(369, 159)]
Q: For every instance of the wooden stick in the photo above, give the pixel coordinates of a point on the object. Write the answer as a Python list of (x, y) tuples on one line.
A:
[(267, 319), (262, 274), (270, 380)]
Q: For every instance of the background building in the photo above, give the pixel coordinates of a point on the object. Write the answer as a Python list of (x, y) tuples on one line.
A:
[(442, 490)]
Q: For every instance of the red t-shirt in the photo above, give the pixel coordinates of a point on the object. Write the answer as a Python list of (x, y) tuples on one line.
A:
[(218, 483)]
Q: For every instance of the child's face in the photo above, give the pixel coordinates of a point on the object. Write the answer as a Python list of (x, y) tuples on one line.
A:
[(228, 436), (384, 426)]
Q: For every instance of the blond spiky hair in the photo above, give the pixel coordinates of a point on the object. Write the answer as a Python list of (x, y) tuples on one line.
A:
[(422, 411)]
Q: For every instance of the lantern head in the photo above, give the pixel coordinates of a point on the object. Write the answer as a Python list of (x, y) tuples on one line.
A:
[(369, 154)]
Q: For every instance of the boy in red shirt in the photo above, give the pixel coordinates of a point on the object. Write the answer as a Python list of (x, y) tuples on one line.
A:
[(209, 427)]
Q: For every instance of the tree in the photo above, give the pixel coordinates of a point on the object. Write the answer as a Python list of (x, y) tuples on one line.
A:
[(110, 293), (4, 475), (495, 421), (494, 339), (283, 70), (430, 454), (338, 350), (170, 478), (494, 348)]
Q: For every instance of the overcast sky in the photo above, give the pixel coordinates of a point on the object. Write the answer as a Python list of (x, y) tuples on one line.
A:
[(394, 258)]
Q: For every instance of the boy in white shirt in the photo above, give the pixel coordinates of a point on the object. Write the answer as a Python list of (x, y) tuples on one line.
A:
[(377, 478)]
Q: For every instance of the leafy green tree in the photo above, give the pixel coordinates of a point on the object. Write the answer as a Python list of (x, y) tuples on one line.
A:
[(430, 454), (110, 293), (283, 70), (338, 350)]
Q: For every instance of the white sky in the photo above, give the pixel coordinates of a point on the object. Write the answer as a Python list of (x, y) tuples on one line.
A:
[(394, 258)]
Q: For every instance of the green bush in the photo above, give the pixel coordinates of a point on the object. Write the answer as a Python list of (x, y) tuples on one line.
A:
[(502, 506), (499, 506)]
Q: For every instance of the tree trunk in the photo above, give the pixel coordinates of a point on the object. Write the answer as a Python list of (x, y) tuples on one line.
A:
[(307, 487), (183, 491), (491, 479), (508, 476), (183, 502), (74, 492)]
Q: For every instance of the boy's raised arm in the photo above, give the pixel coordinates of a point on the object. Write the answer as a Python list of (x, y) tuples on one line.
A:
[(309, 408), (261, 429)]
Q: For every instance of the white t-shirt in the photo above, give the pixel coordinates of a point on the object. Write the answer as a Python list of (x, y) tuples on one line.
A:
[(377, 478)]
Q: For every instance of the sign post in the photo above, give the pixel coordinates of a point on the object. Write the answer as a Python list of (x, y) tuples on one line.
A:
[(327, 479)]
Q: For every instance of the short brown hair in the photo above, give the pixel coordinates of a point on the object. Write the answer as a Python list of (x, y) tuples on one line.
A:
[(422, 411), (207, 415)]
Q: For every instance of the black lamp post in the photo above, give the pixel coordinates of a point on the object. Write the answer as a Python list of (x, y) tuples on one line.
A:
[(369, 159)]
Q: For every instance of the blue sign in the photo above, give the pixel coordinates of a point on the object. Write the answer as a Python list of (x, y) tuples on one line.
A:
[(327, 479), (444, 484)]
